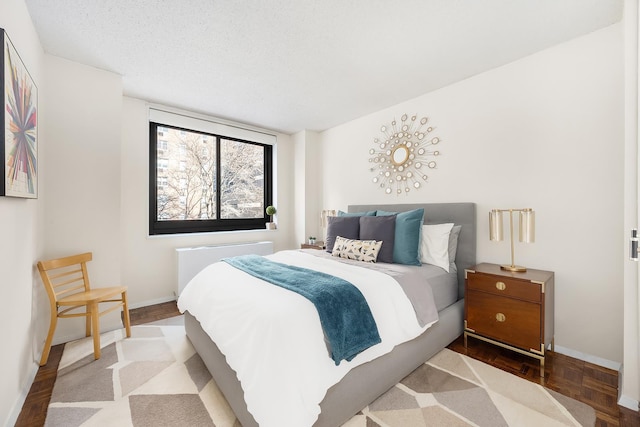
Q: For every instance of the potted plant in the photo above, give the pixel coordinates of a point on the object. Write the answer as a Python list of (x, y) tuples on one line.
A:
[(312, 240), (271, 211)]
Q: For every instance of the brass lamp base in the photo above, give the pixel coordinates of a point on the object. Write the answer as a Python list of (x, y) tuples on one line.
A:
[(516, 268)]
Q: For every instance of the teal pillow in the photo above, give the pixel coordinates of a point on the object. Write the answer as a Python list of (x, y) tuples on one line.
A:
[(368, 213), (406, 245)]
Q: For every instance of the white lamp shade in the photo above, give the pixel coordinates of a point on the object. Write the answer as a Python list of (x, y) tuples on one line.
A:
[(325, 214), (527, 226), (495, 226)]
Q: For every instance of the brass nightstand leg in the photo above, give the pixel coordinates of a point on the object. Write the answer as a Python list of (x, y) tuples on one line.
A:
[(553, 342), (542, 367), (465, 340)]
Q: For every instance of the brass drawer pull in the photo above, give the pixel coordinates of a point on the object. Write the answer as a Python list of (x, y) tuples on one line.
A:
[(501, 317), (501, 286)]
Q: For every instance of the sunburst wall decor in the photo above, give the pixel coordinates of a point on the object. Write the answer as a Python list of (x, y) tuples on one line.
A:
[(403, 154)]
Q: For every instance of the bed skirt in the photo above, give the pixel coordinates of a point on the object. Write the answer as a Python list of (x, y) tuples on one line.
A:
[(358, 388)]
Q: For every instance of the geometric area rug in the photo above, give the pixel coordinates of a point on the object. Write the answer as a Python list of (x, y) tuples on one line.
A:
[(155, 378), (452, 389)]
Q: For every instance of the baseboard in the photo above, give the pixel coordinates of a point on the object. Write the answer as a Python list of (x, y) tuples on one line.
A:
[(152, 302), (628, 402), (609, 364), (107, 326), (22, 397)]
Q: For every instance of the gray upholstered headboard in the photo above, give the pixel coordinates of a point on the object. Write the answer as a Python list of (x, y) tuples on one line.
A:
[(463, 214)]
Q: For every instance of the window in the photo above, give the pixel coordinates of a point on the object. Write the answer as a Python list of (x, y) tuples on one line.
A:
[(207, 181)]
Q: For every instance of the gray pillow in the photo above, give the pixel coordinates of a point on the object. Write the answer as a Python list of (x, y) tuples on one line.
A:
[(453, 242), (380, 228), (343, 226)]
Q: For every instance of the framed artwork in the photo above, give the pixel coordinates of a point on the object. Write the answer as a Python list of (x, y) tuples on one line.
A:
[(19, 129)]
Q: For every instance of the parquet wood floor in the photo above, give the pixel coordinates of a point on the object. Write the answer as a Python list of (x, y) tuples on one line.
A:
[(581, 380)]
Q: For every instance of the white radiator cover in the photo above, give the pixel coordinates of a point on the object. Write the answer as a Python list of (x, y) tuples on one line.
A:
[(192, 260)]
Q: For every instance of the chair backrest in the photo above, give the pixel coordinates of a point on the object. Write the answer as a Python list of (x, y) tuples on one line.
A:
[(65, 276)]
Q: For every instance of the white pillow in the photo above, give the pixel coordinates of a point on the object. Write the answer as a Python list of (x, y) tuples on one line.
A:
[(434, 247)]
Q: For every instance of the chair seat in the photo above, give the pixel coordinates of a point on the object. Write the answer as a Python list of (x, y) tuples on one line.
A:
[(92, 295)]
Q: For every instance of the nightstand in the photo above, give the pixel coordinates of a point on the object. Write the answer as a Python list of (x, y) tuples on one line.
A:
[(509, 309), (316, 245)]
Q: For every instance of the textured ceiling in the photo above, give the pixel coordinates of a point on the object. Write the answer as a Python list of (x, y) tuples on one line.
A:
[(291, 65)]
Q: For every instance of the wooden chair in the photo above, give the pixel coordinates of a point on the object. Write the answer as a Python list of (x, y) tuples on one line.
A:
[(67, 283)]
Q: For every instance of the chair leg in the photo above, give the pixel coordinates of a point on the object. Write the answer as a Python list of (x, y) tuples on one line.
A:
[(95, 329), (125, 313), (47, 343), (87, 323)]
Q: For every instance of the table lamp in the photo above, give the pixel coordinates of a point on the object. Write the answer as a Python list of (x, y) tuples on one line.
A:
[(526, 234)]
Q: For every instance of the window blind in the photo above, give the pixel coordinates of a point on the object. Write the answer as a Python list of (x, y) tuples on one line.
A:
[(202, 124)]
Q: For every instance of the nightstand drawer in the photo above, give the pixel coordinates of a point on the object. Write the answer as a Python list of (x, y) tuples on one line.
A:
[(504, 286), (504, 319)]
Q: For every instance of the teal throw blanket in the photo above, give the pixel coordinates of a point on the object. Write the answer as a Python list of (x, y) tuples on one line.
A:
[(344, 313)]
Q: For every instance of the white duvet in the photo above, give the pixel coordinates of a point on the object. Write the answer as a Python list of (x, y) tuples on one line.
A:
[(272, 337)]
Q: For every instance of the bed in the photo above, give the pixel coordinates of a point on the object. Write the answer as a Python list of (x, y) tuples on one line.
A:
[(364, 383)]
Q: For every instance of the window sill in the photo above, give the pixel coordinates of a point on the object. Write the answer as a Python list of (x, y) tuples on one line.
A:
[(209, 233)]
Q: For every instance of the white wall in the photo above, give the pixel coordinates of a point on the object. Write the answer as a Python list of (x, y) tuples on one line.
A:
[(82, 198), (307, 193), (20, 227), (545, 132), (299, 180)]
